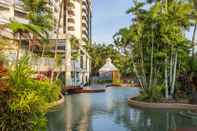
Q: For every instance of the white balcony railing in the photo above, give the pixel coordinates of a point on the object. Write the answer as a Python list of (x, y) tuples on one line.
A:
[(19, 5), (6, 2), (21, 20), (75, 64), (3, 20), (46, 64)]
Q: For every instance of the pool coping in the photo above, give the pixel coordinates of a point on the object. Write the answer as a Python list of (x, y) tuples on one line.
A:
[(57, 103), (150, 105)]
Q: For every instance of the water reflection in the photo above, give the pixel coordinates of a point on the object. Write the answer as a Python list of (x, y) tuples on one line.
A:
[(109, 111)]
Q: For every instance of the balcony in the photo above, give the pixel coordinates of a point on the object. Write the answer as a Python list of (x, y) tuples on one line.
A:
[(85, 38), (71, 28), (85, 31), (3, 19), (84, 11), (19, 6), (84, 17), (71, 20), (85, 5), (21, 20), (85, 24), (61, 48), (5, 3), (75, 64), (71, 5), (71, 13), (45, 64)]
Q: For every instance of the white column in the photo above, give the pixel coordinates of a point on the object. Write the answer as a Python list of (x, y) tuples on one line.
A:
[(68, 63), (11, 9)]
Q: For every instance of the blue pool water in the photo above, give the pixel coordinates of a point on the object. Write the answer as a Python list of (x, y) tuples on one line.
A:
[(109, 111)]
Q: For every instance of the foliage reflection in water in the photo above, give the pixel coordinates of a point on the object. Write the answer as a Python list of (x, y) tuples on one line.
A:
[(109, 111)]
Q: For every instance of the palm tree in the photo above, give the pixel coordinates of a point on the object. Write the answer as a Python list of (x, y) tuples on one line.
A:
[(57, 34), (18, 29), (39, 16), (58, 63), (157, 35), (122, 39), (195, 28), (74, 53)]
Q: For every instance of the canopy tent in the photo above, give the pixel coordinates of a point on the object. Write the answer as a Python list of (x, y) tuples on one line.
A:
[(108, 67), (109, 71)]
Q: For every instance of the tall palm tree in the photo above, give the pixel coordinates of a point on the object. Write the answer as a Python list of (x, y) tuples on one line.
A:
[(39, 17), (195, 28), (61, 5), (18, 29), (39, 14), (74, 53)]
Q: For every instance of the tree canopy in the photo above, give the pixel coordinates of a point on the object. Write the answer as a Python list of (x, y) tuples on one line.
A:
[(156, 41)]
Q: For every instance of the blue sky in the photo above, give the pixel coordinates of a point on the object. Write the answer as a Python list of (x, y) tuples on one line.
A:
[(108, 17)]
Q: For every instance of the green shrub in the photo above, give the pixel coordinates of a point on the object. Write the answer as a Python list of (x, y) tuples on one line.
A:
[(50, 92), (103, 81), (27, 101), (117, 82), (153, 94)]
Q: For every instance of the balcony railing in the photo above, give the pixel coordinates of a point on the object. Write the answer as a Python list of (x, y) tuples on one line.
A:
[(45, 64), (22, 20), (5, 3), (19, 6), (3, 19)]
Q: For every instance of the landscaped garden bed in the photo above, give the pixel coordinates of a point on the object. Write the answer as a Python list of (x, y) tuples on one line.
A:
[(57, 103), (24, 100), (162, 105)]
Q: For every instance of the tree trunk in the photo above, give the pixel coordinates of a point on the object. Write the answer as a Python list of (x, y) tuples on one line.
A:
[(42, 55), (166, 5), (171, 67), (142, 64), (135, 70), (29, 46), (151, 65), (193, 41), (57, 37), (18, 49), (166, 79), (58, 74), (43, 51), (60, 71), (174, 75)]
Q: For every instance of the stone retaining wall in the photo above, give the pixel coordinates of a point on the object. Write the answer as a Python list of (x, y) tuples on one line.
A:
[(57, 103), (140, 104)]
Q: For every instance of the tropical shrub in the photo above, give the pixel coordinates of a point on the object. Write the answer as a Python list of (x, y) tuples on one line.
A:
[(117, 82), (187, 81), (103, 81), (27, 101), (153, 94)]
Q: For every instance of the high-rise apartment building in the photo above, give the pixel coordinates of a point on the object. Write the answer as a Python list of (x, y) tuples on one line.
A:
[(75, 21)]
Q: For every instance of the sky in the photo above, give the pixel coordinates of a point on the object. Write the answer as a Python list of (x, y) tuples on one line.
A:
[(108, 17)]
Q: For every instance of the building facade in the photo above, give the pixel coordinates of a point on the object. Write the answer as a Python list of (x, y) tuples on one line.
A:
[(75, 21)]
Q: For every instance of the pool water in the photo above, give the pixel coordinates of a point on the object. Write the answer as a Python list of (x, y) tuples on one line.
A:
[(109, 111)]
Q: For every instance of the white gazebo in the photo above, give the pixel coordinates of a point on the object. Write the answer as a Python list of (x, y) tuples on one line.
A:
[(109, 71)]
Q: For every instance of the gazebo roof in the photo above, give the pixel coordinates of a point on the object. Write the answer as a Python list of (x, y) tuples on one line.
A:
[(108, 67)]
